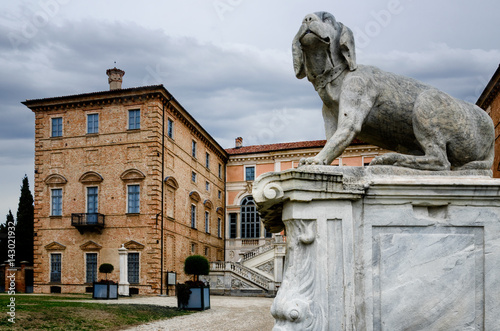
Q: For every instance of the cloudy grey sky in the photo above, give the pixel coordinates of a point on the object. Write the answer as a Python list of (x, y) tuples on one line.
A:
[(228, 62)]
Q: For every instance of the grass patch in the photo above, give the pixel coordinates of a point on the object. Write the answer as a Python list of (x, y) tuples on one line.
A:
[(67, 312)]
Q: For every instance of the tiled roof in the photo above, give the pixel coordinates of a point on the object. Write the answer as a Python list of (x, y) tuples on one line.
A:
[(281, 147), (275, 147)]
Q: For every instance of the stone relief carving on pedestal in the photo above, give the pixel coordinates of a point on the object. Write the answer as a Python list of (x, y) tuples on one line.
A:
[(220, 282), (239, 284), (267, 267)]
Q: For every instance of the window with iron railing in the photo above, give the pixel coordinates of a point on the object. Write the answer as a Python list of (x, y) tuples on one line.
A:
[(55, 267), (91, 267), (133, 268)]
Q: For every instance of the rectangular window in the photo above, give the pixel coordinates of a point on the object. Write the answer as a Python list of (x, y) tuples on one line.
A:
[(207, 251), (57, 127), (91, 267), (193, 177), (170, 129), (56, 200), (219, 194), (93, 123), (207, 161), (55, 267), (193, 216), (134, 119), (133, 268), (220, 170), (207, 186), (219, 228), (249, 173), (207, 222), (133, 199), (193, 248), (193, 149), (232, 225), (92, 205)]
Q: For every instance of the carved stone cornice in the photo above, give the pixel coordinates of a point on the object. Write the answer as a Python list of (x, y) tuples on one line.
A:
[(357, 150), (271, 190), (307, 183)]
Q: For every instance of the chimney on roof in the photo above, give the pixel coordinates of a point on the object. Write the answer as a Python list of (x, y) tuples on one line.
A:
[(238, 142), (115, 78)]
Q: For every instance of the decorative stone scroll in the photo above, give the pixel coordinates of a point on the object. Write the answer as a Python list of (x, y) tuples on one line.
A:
[(295, 302)]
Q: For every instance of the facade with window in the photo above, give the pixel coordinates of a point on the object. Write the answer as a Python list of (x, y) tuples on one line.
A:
[(105, 176), (489, 101), (243, 228)]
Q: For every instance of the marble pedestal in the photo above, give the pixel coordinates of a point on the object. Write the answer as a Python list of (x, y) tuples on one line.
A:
[(382, 248)]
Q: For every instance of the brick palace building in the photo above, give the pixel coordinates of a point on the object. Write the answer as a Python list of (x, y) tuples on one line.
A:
[(125, 167)]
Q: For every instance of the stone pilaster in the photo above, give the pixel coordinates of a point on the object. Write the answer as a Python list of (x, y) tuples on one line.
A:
[(123, 285)]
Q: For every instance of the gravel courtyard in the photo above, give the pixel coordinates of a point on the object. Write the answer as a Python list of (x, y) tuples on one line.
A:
[(226, 314)]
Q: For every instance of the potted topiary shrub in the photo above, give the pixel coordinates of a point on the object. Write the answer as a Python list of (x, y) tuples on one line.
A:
[(194, 294), (105, 289)]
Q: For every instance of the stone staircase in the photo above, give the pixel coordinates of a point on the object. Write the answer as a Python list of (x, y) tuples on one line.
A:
[(256, 252), (252, 275), (244, 272)]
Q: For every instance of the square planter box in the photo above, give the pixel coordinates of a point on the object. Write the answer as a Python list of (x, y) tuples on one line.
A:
[(105, 291), (198, 300)]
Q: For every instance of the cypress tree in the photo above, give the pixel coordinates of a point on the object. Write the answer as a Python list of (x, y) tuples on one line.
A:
[(24, 225)]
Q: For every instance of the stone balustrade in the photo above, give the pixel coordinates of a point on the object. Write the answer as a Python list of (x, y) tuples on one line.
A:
[(242, 271)]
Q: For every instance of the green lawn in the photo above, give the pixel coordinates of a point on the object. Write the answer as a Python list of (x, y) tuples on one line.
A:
[(68, 312)]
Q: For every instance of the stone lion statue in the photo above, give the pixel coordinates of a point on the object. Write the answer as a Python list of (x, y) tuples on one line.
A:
[(428, 129)]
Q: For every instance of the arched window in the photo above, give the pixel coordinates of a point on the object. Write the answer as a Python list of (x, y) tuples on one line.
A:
[(250, 220)]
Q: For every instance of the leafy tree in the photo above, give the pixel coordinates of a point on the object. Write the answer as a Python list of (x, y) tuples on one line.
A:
[(24, 225), (106, 268), (196, 265)]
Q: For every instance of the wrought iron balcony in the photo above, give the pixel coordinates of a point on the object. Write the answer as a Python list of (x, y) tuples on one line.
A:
[(88, 222)]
